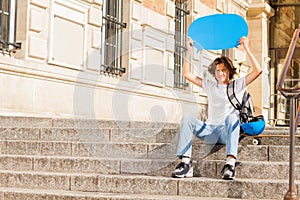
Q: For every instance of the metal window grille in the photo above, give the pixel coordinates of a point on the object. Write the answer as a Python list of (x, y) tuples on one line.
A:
[(112, 38), (8, 23), (181, 13)]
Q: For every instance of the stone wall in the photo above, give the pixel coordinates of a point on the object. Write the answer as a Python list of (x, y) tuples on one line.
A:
[(57, 71)]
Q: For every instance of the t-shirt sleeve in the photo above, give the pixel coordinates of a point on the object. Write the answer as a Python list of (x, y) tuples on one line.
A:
[(204, 84), (207, 85), (240, 84)]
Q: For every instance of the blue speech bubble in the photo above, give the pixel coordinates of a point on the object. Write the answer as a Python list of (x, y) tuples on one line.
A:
[(217, 31)]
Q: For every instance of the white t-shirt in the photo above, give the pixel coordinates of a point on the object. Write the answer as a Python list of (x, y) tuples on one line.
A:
[(218, 104)]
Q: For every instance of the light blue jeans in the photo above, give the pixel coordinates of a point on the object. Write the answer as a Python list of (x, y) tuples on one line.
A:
[(211, 134)]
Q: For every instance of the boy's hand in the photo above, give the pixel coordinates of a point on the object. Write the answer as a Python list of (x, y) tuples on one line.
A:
[(244, 44), (189, 44)]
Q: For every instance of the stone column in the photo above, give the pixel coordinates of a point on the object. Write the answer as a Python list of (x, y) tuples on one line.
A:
[(258, 21)]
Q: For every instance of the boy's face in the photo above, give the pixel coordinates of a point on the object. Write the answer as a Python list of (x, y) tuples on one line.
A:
[(222, 74)]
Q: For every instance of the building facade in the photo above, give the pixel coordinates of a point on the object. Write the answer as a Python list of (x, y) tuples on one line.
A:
[(118, 59), (282, 27)]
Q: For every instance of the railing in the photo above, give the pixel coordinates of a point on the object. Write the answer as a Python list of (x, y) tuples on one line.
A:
[(292, 94)]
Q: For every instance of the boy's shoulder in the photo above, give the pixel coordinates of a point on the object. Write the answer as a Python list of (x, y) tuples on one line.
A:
[(240, 81), (240, 78), (209, 83)]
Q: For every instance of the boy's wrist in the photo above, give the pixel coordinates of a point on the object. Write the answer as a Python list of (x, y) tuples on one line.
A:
[(188, 52)]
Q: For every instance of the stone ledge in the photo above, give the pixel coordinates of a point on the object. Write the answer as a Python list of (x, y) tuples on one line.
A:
[(162, 167), (140, 150), (25, 194), (146, 185), (152, 135), (80, 123)]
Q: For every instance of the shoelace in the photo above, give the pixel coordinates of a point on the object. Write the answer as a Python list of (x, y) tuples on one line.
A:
[(180, 165), (227, 166)]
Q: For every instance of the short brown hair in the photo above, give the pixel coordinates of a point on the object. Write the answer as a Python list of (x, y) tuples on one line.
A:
[(227, 63)]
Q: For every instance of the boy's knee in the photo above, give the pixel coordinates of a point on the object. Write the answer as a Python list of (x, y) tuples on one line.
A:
[(231, 119), (186, 119)]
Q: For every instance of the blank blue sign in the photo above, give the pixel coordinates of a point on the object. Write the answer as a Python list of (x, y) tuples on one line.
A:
[(218, 31)]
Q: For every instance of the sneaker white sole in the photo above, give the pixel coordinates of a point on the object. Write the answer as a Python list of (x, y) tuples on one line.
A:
[(228, 178)]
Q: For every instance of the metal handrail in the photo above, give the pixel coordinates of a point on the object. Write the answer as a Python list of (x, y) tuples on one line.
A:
[(288, 92), (292, 94)]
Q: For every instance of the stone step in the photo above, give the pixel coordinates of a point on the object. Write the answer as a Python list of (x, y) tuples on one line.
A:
[(247, 169), (146, 185), (61, 164), (151, 135), (96, 159), (141, 150), (92, 149), (270, 139), (30, 194), (249, 153), (204, 187), (44, 122), (77, 123), (20, 121), (166, 134), (279, 130), (163, 167), (87, 165), (131, 135)]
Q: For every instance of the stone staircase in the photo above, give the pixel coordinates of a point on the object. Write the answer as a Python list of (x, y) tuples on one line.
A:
[(55, 159)]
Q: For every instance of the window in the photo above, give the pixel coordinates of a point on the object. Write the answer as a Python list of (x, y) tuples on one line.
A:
[(112, 38), (8, 17), (181, 13)]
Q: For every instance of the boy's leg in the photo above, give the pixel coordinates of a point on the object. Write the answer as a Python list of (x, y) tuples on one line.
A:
[(232, 127), (188, 127), (231, 137)]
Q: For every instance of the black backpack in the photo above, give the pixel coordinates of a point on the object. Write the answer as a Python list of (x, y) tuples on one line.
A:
[(250, 125), (245, 108)]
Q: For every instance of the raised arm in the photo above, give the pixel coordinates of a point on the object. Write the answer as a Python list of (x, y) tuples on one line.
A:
[(186, 67), (256, 68)]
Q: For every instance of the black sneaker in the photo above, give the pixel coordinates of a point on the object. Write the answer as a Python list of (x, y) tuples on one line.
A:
[(228, 172), (183, 170)]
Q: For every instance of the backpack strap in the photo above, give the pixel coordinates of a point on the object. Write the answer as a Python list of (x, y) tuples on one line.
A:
[(232, 98), (248, 104), (245, 108)]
